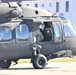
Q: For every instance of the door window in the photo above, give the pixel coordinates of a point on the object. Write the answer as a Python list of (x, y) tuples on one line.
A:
[(57, 30), (5, 34), (22, 33)]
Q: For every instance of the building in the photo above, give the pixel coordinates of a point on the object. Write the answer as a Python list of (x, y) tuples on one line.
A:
[(64, 8)]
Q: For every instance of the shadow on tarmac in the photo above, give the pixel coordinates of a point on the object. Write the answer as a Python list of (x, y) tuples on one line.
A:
[(31, 68)]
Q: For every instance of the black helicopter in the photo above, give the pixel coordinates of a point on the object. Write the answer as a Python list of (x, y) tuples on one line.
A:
[(27, 32)]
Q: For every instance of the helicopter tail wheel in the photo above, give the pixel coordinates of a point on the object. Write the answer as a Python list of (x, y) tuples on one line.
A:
[(4, 64), (39, 61)]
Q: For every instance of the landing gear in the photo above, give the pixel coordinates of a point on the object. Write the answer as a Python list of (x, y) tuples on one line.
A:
[(4, 64), (38, 60)]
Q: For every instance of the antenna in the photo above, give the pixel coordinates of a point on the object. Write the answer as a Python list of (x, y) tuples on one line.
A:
[(54, 13)]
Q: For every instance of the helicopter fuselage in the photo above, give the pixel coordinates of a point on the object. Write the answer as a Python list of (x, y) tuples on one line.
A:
[(18, 36), (27, 32)]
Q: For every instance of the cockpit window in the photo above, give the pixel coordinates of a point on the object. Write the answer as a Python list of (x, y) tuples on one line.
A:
[(69, 29), (5, 34), (22, 33)]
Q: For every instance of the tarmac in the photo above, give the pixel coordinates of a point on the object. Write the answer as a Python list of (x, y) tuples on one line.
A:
[(53, 68)]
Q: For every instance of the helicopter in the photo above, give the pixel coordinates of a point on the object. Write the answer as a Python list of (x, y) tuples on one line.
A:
[(28, 32)]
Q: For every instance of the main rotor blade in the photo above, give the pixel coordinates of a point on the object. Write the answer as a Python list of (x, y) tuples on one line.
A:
[(5, 1)]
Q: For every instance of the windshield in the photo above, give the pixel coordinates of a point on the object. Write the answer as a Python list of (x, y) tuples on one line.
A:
[(69, 29)]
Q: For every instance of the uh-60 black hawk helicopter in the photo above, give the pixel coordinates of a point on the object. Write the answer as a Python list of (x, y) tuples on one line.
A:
[(27, 32)]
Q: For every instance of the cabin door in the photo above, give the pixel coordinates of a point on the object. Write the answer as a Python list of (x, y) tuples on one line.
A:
[(69, 37), (52, 38), (22, 40)]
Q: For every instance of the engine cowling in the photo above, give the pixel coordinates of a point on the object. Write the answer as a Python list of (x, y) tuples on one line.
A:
[(9, 10)]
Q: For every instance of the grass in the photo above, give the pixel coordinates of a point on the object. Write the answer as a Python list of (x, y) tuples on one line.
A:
[(24, 61), (66, 59)]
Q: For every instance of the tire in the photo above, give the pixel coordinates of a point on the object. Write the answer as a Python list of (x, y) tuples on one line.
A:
[(4, 64), (39, 61)]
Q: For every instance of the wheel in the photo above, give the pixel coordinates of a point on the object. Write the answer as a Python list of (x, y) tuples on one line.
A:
[(39, 61), (4, 64)]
